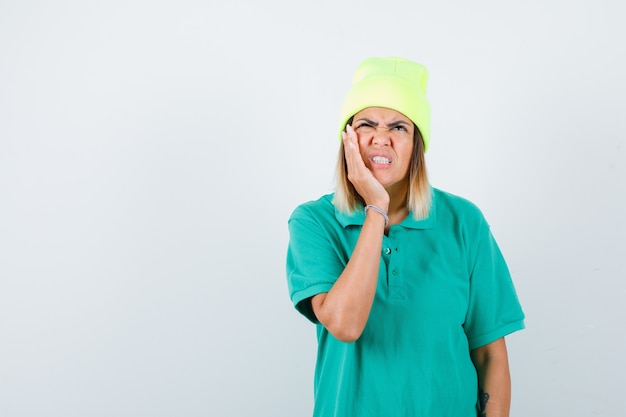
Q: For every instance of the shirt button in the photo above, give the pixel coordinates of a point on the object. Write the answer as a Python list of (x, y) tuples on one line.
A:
[(387, 251), (394, 272)]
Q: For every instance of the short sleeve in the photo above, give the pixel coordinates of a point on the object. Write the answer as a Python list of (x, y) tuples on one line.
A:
[(494, 310), (313, 263)]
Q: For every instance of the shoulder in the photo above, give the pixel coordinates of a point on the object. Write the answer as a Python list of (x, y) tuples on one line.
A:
[(316, 209), (454, 202), (457, 208), (315, 220)]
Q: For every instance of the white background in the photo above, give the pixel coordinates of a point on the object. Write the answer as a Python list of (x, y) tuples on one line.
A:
[(152, 151)]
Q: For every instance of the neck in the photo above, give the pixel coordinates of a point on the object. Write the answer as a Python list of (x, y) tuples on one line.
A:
[(398, 209)]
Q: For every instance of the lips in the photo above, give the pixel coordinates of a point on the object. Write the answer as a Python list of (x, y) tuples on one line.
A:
[(381, 160)]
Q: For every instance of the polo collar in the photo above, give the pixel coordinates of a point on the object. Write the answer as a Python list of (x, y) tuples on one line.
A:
[(357, 218)]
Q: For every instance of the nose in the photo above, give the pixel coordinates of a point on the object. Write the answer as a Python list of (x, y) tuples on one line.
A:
[(382, 137)]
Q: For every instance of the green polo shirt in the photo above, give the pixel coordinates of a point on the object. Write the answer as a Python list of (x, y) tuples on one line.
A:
[(443, 289)]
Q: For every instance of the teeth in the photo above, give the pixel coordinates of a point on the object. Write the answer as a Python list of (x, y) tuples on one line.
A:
[(381, 160)]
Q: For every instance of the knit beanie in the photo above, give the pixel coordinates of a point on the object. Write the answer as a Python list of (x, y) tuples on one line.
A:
[(394, 83)]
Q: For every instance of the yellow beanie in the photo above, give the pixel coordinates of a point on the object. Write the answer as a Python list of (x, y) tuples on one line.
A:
[(394, 83)]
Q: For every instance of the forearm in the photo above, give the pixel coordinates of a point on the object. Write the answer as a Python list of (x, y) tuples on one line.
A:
[(494, 380), (344, 310), (495, 392)]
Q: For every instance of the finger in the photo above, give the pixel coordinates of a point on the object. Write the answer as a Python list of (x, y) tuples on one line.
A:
[(347, 137), (351, 135), (351, 142), (351, 148), (357, 170)]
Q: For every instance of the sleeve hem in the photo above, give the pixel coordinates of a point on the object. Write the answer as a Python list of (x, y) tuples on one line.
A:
[(485, 339), (302, 295)]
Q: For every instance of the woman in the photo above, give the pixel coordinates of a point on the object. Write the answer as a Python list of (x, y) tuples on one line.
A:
[(410, 293)]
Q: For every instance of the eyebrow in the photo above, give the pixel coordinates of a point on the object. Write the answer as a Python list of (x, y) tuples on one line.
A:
[(392, 124)]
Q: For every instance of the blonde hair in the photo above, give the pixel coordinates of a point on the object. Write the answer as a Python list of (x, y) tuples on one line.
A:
[(419, 198)]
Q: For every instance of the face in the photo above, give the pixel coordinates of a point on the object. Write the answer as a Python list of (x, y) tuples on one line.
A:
[(386, 144)]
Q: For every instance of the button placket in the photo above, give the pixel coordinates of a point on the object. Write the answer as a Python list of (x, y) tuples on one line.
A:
[(386, 252), (394, 280)]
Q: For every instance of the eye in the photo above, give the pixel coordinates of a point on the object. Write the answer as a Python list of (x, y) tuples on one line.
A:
[(400, 128), (364, 127)]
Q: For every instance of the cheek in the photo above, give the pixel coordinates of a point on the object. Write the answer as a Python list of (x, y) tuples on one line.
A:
[(406, 150), (407, 156), (362, 147)]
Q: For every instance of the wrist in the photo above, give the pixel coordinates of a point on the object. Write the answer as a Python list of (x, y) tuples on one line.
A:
[(378, 210), (382, 204)]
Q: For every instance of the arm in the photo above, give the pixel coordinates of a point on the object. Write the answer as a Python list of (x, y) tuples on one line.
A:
[(344, 309), (494, 381)]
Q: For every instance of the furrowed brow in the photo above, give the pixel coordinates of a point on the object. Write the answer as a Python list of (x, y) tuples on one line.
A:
[(366, 120), (398, 123)]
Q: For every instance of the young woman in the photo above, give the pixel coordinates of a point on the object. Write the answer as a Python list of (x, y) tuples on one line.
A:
[(409, 291)]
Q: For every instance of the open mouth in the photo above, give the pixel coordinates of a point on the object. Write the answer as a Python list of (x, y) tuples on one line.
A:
[(381, 160)]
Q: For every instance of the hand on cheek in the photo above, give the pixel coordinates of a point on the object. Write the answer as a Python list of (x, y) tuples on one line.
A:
[(359, 175)]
